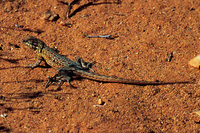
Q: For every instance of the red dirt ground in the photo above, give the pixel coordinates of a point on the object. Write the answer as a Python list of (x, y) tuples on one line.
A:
[(146, 33)]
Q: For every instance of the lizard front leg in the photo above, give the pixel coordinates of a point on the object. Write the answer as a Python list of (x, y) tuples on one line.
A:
[(40, 59)]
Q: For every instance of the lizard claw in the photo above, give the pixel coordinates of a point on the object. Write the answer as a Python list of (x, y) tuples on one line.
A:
[(52, 80), (49, 82)]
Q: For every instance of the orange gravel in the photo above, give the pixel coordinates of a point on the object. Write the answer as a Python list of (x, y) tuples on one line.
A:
[(146, 33)]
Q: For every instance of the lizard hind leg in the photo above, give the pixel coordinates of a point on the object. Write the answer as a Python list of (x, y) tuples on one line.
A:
[(85, 65), (59, 78), (65, 76), (52, 80)]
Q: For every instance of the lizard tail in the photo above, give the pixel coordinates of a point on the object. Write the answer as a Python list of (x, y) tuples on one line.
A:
[(110, 79)]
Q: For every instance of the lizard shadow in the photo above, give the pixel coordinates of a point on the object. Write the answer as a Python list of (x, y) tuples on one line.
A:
[(31, 80), (10, 60), (21, 28), (30, 95), (18, 99), (25, 97), (12, 67)]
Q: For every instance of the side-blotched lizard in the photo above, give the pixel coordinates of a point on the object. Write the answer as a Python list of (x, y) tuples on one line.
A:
[(67, 69)]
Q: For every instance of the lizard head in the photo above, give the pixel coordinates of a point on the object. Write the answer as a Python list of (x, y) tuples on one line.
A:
[(33, 43)]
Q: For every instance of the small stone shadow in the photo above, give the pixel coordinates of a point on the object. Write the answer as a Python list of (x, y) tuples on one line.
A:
[(38, 31), (4, 129), (198, 122), (87, 5)]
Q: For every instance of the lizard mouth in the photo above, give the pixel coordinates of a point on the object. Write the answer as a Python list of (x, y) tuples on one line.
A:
[(28, 39), (24, 41)]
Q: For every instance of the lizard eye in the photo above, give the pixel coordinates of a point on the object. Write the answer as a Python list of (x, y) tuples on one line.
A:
[(33, 42), (30, 42)]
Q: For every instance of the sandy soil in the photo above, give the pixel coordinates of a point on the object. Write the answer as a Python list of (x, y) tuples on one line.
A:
[(146, 32)]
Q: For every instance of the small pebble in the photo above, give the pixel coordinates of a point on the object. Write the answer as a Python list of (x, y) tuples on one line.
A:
[(197, 112), (100, 102), (195, 62), (65, 24), (3, 115), (170, 56), (97, 105), (62, 23), (50, 15)]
